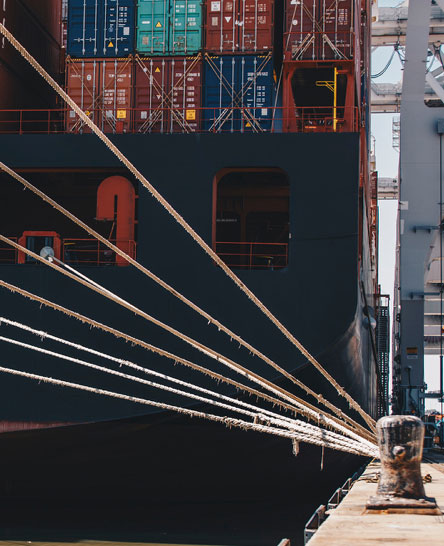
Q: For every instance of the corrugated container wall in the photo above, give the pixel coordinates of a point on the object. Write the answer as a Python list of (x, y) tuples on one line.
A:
[(167, 94), (101, 28), (319, 29), (169, 27), (103, 89), (238, 93), (244, 26), (21, 86)]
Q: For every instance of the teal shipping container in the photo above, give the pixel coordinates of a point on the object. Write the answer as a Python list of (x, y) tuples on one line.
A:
[(169, 27)]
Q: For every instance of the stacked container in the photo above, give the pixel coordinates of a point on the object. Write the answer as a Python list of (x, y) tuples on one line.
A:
[(168, 66), (100, 28), (169, 27), (103, 90), (244, 26), (99, 66), (239, 86), (321, 69), (318, 30), (238, 93), (167, 94)]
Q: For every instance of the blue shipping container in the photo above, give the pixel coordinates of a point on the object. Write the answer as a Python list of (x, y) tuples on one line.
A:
[(169, 27), (238, 93), (101, 28)]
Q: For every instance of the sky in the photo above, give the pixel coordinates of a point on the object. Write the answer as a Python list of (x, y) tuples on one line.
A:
[(387, 161)]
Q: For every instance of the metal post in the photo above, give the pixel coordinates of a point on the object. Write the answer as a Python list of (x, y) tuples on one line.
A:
[(400, 440)]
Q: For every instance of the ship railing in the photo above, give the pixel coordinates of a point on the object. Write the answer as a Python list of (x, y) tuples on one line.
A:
[(221, 119), (91, 252), (32, 121), (303, 44), (8, 254), (253, 255)]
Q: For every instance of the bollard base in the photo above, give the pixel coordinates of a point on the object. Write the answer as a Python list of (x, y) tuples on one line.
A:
[(400, 505)]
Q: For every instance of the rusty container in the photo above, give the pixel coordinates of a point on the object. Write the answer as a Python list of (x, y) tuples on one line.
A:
[(320, 29), (103, 89), (167, 94), (239, 26)]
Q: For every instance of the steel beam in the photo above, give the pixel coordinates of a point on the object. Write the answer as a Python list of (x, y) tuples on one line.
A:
[(419, 206)]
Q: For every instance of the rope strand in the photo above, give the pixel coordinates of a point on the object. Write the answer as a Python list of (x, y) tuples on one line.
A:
[(228, 421), (152, 348), (285, 421), (273, 419)]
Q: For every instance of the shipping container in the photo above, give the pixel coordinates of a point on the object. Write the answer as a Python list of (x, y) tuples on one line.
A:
[(169, 27), (239, 26), (101, 28), (319, 29), (103, 90), (167, 94), (186, 27), (21, 86), (239, 91)]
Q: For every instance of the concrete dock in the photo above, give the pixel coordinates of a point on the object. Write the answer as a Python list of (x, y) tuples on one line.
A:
[(349, 524)]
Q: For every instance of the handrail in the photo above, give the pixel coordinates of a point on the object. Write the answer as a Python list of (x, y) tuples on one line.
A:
[(218, 119), (250, 255), (76, 251)]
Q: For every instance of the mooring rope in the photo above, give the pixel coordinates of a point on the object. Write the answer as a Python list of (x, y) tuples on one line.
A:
[(275, 418), (228, 421), (176, 359), (320, 399), (303, 406), (197, 238)]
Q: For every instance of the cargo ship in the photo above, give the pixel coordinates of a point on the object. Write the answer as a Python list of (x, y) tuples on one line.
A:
[(252, 118)]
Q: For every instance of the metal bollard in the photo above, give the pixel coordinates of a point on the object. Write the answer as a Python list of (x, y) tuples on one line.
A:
[(400, 439)]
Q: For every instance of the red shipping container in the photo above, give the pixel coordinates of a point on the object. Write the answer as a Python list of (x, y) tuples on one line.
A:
[(243, 26), (103, 90), (319, 30), (168, 94)]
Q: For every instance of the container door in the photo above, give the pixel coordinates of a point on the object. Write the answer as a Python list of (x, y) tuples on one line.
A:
[(185, 29), (301, 30), (222, 25), (115, 96), (118, 28), (82, 84), (152, 27), (221, 74), (151, 98), (255, 25), (255, 93), (185, 88), (85, 22), (336, 21)]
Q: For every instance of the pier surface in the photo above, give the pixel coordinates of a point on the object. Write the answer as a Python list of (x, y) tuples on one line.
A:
[(348, 524)]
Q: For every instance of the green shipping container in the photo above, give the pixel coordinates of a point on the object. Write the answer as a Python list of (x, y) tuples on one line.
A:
[(186, 27), (169, 27)]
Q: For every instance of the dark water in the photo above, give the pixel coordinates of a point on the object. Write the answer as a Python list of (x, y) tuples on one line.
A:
[(227, 524), (167, 483)]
